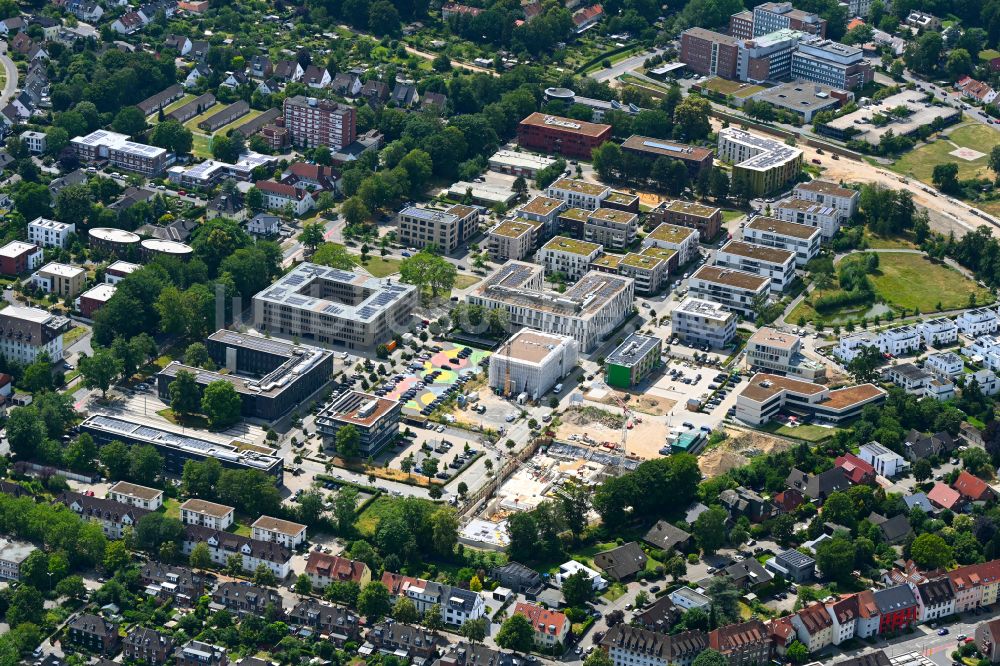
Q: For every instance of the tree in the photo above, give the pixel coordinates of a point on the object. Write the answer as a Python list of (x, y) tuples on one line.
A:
[(74, 204), (25, 431), (959, 64), (578, 589), (145, 464), (311, 235), (428, 270), (100, 370), (945, 177), (863, 368), (254, 200), (221, 404), (383, 18), (185, 397), (599, 658), (404, 611), (348, 441), (930, 551), (333, 255), (345, 503), (835, 557), (922, 469), (263, 576), (691, 118), (32, 200), (797, 652), (26, 605), (201, 557), (196, 355), (373, 601), (430, 466), (520, 186), (303, 585), (130, 120), (173, 136), (475, 630), (355, 211), (116, 556), (114, 457), (725, 599), (516, 633), (710, 529), (71, 586), (444, 530), (228, 148)]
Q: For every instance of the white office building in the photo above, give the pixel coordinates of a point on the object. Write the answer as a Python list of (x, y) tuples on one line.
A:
[(49, 233), (532, 362), (803, 240), (779, 265), (703, 322), (938, 332), (980, 321)]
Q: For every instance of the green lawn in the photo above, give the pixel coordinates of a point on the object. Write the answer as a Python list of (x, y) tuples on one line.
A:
[(239, 122), (809, 433), (201, 145), (204, 115), (920, 163), (465, 281), (172, 508), (173, 106), (73, 335), (190, 421), (887, 242), (734, 88), (380, 266), (912, 281), (989, 54), (730, 215)]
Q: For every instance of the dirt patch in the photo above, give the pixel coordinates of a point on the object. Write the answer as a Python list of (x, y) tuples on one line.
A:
[(737, 450), (652, 405), (592, 426)]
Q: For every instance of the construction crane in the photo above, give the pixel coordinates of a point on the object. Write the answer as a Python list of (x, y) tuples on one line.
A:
[(622, 449)]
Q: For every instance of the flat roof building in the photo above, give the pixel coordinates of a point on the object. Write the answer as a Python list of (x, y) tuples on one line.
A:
[(578, 193), (771, 350), (532, 362), (844, 200), (336, 307), (703, 322), (632, 360), (376, 420), (803, 98), (611, 228), (588, 310), (447, 229), (767, 394), (50, 233), (707, 220), (682, 239), (771, 262), (802, 239), (513, 239), (568, 256), (12, 555), (831, 63), (695, 158), (857, 124), (519, 164), (119, 270), (738, 291), (114, 242), (767, 164), (176, 447), (809, 213), (18, 257), (119, 151), (95, 298), (60, 279), (554, 134)]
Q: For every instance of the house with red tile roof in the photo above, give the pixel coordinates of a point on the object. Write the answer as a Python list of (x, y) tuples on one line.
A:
[(551, 627), (972, 488), (855, 469), (279, 195), (975, 585), (814, 627), (324, 569), (588, 16), (944, 496)]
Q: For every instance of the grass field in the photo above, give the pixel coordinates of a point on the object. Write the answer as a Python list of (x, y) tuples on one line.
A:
[(807, 432), (465, 281), (734, 88), (380, 266), (73, 335), (989, 54), (920, 163), (201, 145), (367, 522), (730, 215), (239, 122), (204, 115), (887, 243)]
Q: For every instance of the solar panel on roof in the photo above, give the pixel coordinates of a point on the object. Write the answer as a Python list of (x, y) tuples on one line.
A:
[(366, 312), (662, 146)]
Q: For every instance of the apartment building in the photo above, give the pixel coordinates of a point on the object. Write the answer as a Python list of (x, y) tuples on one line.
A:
[(814, 627), (650, 269), (935, 599), (375, 419), (611, 228), (767, 394), (578, 193), (544, 210), (707, 220), (113, 517), (116, 149), (94, 634), (634, 646), (17, 257), (633, 360), (335, 307), (285, 196), (682, 239), (773, 351), (551, 627), (695, 158), (12, 555), (844, 200), (773, 263), (148, 646), (447, 229), (938, 332), (742, 644), (118, 271), (801, 239), (207, 514), (710, 53), (456, 604), (831, 63), (34, 141), (703, 322), (980, 321), (824, 217), (532, 362), (850, 345), (60, 279), (136, 495), (312, 122), (242, 599), (554, 134), (337, 622), (738, 291), (886, 462), (222, 546), (568, 256), (513, 239), (899, 340), (49, 233), (324, 569), (766, 164), (285, 532), (26, 333), (588, 311), (947, 365)]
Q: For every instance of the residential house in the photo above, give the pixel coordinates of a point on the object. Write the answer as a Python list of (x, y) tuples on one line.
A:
[(288, 70), (261, 67), (264, 224), (317, 77), (886, 462), (339, 623), (634, 646), (390, 637), (551, 627), (242, 599), (844, 614), (93, 634), (375, 92), (128, 23), (223, 545), (919, 445), (938, 332), (894, 530), (279, 195), (573, 567), (945, 497), (665, 536), (818, 486), (979, 321), (742, 644), (404, 95), (687, 598), (434, 102), (814, 627), (748, 574), (935, 598), (197, 653), (113, 517), (277, 530), (622, 562), (742, 501), (136, 495), (988, 640), (229, 205), (197, 73), (347, 84), (660, 615), (149, 646), (178, 43), (457, 605), (855, 469), (972, 488), (792, 566), (207, 514), (920, 501), (519, 579), (324, 569), (168, 582)]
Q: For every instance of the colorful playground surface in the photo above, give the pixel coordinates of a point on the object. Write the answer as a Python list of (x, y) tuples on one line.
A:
[(451, 367)]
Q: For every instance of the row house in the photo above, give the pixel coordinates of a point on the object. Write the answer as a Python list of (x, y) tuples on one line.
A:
[(814, 627), (935, 599), (899, 340), (743, 644), (244, 599), (166, 582), (222, 545), (397, 638), (634, 646), (338, 623), (975, 585), (113, 517), (457, 605), (898, 608), (980, 321), (938, 332)]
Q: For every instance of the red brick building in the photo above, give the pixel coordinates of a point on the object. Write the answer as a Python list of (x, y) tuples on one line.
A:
[(315, 122), (94, 299), (710, 53), (19, 257), (554, 134), (897, 608)]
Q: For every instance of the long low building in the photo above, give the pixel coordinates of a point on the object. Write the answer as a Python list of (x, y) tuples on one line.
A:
[(177, 448), (768, 394), (589, 310)]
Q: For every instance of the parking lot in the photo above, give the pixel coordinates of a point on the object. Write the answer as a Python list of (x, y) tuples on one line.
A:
[(432, 378)]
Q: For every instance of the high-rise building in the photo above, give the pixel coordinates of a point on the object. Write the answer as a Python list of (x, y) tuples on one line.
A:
[(831, 63), (771, 16), (315, 122)]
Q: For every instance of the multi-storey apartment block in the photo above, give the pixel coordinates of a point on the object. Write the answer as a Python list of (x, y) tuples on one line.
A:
[(447, 229), (766, 164), (703, 322), (513, 239), (801, 239), (312, 122), (779, 265), (567, 256), (683, 239), (49, 233), (578, 193), (707, 220), (102, 145), (738, 291)]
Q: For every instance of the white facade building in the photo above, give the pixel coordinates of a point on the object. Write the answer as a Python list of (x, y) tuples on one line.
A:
[(569, 568), (279, 531), (844, 200), (899, 340), (739, 292), (938, 331), (801, 239), (887, 463), (779, 265), (705, 322), (568, 256), (31, 332), (207, 514), (578, 193), (947, 365), (136, 495), (532, 362), (824, 217), (980, 321), (674, 237), (49, 233)]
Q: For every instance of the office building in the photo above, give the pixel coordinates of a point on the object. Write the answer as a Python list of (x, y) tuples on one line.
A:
[(695, 158), (532, 362), (177, 447), (710, 53), (207, 514), (801, 239), (12, 555), (565, 136), (578, 193), (49, 233), (632, 360), (570, 257), (18, 257), (779, 265), (516, 163), (588, 311), (832, 64), (375, 419), (513, 239), (738, 291), (272, 377), (767, 164), (211, 172), (611, 228), (707, 220), (116, 149), (703, 322), (809, 213), (770, 350), (771, 16), (764, 58), (26, 333), (682, 239), (312, 122), (335, 307), (803, 98), (447, 229), (768, 394)]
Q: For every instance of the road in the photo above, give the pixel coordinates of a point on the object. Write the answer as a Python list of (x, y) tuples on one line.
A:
[(10, 71), (624, 66)]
